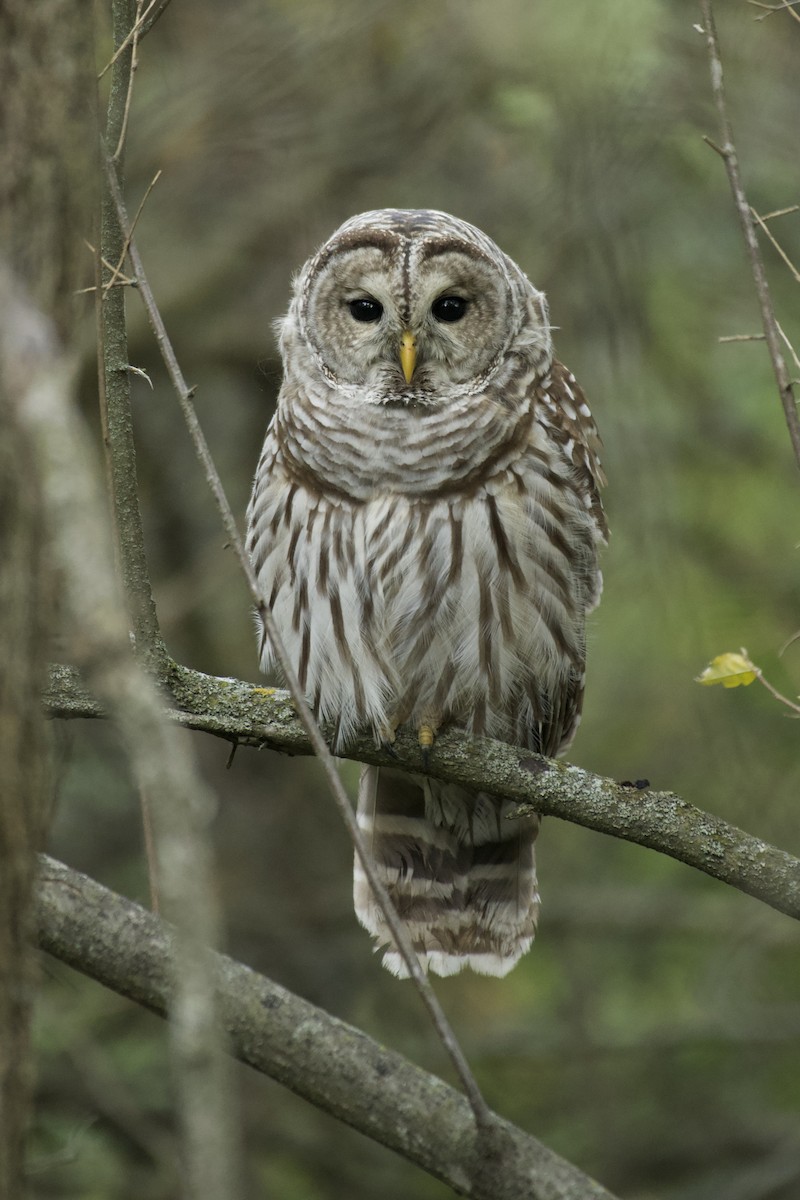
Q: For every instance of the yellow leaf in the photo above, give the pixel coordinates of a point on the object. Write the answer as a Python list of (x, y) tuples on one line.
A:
[(731, 670)]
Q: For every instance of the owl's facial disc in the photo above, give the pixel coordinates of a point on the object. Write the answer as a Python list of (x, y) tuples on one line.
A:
[(408, 322)]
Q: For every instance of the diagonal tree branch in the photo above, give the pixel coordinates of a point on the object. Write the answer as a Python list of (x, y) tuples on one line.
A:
[(318, 744), (747, 222), (114, 376), (336, 1067), (662, 821)]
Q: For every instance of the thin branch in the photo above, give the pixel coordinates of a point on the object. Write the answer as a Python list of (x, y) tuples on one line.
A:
[(742, 337), (790, 641), (156, 12), (119, 279), (114, 388), (142, 26), (320, 747), (728, 151), (771, 9), (331, 1064), (116, 272), (661, 821), (120, 282), (778, 695), (789, 347), (781, 212), (762, 222)]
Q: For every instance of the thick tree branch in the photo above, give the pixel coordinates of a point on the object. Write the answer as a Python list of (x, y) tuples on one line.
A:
[(662, 821), (333, 1065)]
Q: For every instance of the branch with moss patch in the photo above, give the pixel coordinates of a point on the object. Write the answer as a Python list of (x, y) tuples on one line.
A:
[(258, 716)]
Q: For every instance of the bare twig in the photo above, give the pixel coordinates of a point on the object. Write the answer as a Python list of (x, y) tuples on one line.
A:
[(728, 152), (742, 337), (762, 222), (790, 641), (778, 695), (331, 1064), (402, 940), (154, 13), (120, 280), (116, 272), (780, 212), (664, 822), (770, 9), (789, 346), (143, 25)]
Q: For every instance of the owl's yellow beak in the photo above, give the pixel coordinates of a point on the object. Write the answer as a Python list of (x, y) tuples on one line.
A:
[(408, 354)]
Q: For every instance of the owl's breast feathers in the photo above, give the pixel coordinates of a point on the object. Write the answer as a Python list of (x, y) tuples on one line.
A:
[(462, 600)]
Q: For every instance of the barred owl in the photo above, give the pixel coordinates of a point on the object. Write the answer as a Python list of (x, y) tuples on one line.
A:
[(424, 525)]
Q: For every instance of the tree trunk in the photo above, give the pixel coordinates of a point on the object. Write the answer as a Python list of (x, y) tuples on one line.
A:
[(45, 152)]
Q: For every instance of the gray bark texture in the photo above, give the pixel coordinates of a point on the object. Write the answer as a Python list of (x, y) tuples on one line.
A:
[(335, 1066), (24, 786), (662, 821), (44, 143)]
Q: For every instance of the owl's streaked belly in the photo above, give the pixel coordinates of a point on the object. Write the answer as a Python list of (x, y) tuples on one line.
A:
[(453, 609)]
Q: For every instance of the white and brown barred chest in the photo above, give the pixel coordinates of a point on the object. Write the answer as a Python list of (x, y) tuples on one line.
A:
[(434, 602)]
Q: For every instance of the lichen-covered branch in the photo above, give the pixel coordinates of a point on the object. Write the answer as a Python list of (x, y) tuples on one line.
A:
[(326, 1061), (258, 716)]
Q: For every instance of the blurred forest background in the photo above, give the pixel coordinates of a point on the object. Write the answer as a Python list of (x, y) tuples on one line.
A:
[(652, 1036)]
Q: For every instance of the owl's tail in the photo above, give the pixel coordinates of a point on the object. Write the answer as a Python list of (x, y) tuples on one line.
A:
[(462, 877)]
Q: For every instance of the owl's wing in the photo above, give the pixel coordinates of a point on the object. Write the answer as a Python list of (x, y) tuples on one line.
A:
[(564, 412)]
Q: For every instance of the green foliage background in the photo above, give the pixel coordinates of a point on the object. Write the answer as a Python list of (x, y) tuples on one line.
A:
[(652, 1034)]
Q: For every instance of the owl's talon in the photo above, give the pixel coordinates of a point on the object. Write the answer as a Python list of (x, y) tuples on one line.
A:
[(385, 737)]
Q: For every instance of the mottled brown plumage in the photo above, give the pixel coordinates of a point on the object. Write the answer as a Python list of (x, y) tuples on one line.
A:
[(424, 524)]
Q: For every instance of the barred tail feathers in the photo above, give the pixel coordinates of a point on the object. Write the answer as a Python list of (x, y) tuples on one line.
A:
[(462, 878)]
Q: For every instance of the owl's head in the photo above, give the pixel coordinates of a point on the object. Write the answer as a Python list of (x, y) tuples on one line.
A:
[(410, 305)]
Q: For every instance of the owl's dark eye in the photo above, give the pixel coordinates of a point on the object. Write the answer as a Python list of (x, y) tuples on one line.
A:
[(449, 308), (365, 309)]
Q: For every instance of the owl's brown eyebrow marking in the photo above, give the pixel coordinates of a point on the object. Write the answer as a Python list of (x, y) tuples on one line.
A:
[(434, 249), (358, 240), (365, 241)]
